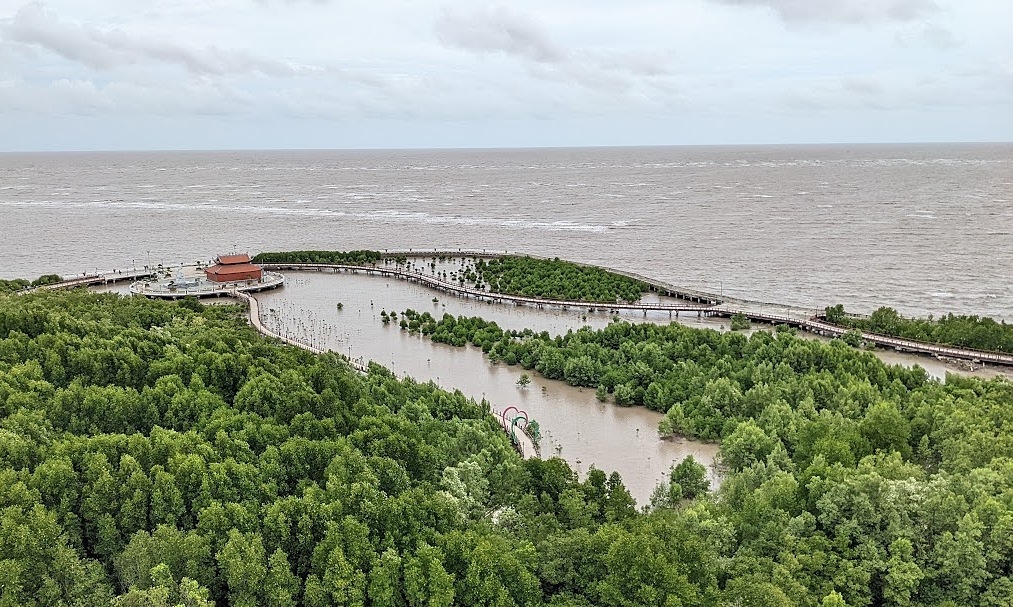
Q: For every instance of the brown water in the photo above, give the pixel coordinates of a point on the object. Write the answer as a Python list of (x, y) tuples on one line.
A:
[(574, 424), (925, 228)]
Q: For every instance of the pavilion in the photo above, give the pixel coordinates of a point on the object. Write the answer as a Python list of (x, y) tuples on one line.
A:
[(233, 268)]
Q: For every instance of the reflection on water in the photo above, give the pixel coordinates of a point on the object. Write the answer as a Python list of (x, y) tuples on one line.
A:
[(575, 426)]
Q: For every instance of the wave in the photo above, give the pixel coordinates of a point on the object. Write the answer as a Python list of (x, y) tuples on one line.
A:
[(386, 215)]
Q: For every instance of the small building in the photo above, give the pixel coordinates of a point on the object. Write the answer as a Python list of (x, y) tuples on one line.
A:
[(233, 268)]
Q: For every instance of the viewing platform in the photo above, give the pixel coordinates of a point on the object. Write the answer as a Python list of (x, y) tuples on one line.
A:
[(191, 281)]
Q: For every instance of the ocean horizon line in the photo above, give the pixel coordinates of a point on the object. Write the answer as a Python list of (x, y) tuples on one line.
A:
[(799, 145)]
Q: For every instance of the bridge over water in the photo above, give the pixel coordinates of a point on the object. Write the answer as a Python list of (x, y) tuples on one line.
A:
[(691, 301), (704, 305)]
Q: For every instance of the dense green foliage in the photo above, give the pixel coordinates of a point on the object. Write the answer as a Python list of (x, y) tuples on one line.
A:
[(556, 279), (165, 454), (976, 332), (47, 279), (358, 258), (739, 322), (19, 284), (844, 474), (162, 454)]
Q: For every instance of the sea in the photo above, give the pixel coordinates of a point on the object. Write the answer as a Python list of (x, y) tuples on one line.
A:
[(924, 228)]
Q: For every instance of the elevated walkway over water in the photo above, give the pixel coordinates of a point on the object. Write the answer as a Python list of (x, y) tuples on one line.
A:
[(699, 302), (704, 305), (99, 278)]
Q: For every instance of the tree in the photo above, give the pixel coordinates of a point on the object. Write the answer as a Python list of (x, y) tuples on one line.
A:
[(903, 575), (281, 587), (852, 337), (385, 581), (524, 381), (886, 428), (834, 599), (835, 314), (243, 565), (166, 499), (426, 582), (747, 444), (691, 477), (164, 591), (739, 322)]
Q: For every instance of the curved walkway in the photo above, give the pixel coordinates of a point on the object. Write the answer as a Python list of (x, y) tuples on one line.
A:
[(90, 280), (658, 286), (751, 310), (457, 289)]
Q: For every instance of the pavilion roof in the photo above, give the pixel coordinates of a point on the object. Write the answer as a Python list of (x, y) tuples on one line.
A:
[(235, 268), (233, 259)]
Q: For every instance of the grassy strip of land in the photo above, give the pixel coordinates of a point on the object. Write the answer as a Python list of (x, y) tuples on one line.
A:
[(557, 279), (360, 258), (975, 332)]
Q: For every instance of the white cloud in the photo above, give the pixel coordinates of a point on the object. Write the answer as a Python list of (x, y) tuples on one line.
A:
[(105, 48), (627, 76), (427, 64), (497, 29), (843, 11)]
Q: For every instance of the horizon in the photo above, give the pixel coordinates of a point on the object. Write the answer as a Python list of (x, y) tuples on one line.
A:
[(829, 144)]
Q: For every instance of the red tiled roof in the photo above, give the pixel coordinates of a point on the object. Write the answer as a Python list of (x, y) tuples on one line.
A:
[(220, 270), (233, 259)]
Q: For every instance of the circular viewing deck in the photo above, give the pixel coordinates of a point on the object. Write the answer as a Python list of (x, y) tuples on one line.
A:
[(195, 284)]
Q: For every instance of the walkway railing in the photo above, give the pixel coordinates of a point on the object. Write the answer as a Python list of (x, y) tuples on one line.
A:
[(443, 285), (810, 323), (88, 280)]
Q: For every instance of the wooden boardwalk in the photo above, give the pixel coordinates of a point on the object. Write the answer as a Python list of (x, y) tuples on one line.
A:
[(462, 291), (701, 303), (91, 280), (658, 286), (703, 307), (815, 324)]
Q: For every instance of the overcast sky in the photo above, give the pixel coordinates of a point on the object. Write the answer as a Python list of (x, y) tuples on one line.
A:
[(222, 74)]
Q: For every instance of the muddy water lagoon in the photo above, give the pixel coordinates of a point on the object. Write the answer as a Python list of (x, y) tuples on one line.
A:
[(574, 425)]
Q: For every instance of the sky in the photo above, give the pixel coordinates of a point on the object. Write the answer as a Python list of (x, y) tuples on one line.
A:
[(274, 74)]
